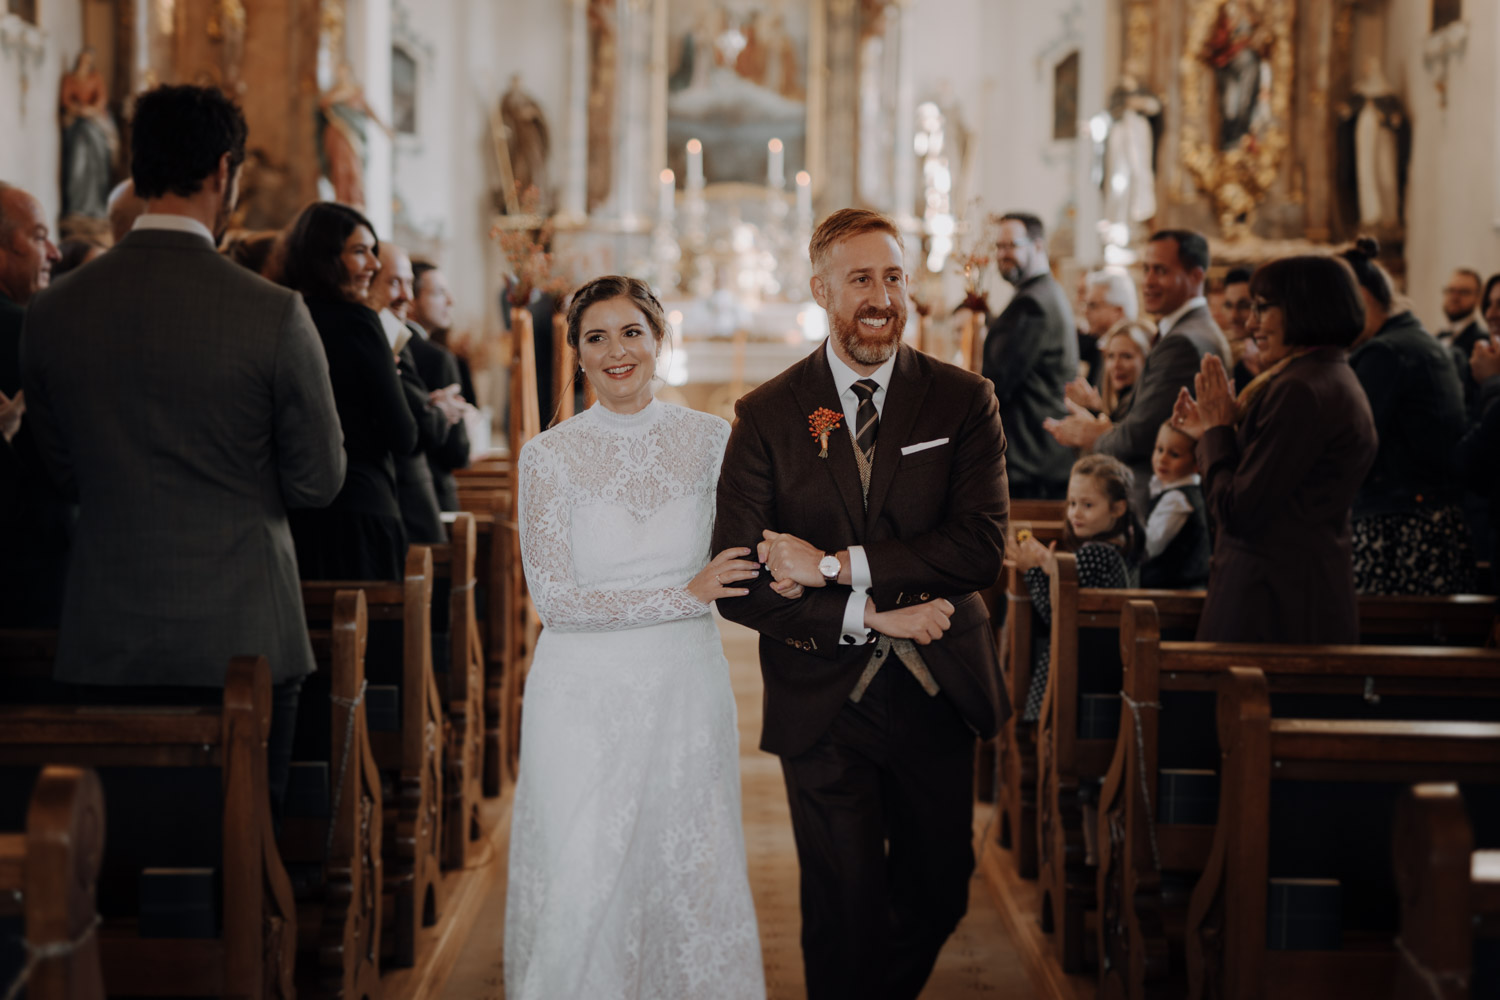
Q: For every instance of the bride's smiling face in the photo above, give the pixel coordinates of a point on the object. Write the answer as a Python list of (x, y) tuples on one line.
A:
[(617, 350)]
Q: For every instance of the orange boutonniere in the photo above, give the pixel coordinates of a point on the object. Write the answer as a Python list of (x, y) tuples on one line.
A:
[(820, 423)]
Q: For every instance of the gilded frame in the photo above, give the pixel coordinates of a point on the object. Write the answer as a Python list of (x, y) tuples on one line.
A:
[(1236, 176)]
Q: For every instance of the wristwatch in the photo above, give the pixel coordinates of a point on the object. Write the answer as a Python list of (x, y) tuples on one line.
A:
[(829, 567)]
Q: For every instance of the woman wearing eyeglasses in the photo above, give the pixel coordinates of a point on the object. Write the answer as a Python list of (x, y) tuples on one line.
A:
[(1282, 462)]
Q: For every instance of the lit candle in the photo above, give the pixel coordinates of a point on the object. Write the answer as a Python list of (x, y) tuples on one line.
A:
[(694, 165), (804, 194), (776, 165), (668, 205)]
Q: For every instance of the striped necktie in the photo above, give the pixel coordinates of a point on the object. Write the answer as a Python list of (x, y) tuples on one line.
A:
[(866, 417)]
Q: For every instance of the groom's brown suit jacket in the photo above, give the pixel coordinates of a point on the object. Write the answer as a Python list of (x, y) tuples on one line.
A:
[(935, 528)]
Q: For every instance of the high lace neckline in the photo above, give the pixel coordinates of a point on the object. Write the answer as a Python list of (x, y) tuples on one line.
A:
[(626, 422)]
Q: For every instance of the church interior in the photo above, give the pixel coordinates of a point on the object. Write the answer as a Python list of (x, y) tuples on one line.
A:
[(1165, 813)]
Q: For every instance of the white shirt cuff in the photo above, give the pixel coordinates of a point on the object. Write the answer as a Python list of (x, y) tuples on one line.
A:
[(859, 569), (854, 631)]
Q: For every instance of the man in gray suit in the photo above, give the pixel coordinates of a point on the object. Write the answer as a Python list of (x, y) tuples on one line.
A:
[(1176, 261), (185, 403)]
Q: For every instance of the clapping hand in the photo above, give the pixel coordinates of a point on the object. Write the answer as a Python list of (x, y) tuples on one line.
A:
[(1032, 554), (1084, 394), (1213, 404), (12, 409), (450, 401), (1079, 429), (1484, 362)]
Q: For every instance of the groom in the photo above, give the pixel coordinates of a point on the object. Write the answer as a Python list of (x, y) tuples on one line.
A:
[(876, 650)]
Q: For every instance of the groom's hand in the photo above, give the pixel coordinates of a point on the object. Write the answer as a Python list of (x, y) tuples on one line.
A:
[(921, 623), (790, 558)]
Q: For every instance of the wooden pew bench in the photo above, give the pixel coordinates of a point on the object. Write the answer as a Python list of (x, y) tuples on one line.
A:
[(340, 913), (48, 875), (253, 953), (1228, 952), (406, 742), (1142, 850), (1450, 898), (461, 688), (495, 550)]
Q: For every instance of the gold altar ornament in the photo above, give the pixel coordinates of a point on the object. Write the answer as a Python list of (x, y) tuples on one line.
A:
[(1236, 69)]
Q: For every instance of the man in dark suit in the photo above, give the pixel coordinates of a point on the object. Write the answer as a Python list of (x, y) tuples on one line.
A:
[(185, 403), (33, 516), (875, 646), (1176, 261), (439, 369), (1031, 354), (1466, 327)]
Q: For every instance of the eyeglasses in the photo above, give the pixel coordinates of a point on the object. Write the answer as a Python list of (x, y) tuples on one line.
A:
[(1004, 247), (1259, 307)]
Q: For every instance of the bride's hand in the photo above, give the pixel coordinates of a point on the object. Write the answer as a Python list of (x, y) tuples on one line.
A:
[(728, 567)]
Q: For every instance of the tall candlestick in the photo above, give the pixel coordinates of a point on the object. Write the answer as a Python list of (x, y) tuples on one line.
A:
[(776, 164), (694, 165), (667, 207), (804, 194)]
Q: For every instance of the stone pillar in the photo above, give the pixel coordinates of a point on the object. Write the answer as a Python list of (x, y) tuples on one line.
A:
[(628, 205), (841, 146), (573, 208), (369, 47), (904, 174)]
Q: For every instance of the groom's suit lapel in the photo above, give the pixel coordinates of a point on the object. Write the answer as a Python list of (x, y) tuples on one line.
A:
[(903, 401), (815, 388)]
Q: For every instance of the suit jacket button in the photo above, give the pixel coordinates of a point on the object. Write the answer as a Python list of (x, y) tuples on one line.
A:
[(925, 597)]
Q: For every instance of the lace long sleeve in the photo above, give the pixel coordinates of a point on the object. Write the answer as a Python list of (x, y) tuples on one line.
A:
[(545, 516)]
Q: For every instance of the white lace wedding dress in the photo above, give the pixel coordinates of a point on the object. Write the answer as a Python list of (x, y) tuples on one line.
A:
[(627, 855)]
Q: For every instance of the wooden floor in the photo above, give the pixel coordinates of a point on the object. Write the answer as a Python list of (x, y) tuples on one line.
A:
[(994, 952)]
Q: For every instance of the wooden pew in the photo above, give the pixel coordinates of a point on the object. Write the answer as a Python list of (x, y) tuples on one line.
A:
[(1038, 510), (341, 955), (1065, 761), (1137, 847), (1227, 953), (409, 757), (48, 875), (1450, 894), (254, 954), (462, 694), (495, 552)]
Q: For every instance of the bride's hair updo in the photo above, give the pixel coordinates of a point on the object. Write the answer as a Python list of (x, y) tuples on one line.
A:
[(615, 286)]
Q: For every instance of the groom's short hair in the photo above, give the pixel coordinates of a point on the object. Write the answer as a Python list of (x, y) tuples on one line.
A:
[(845, 224)]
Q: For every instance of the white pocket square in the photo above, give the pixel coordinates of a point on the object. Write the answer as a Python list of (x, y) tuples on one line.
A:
[(912, 449)]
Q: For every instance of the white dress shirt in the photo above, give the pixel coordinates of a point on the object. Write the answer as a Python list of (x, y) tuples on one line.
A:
[(1165, 324), (844, 377), (175, 223)]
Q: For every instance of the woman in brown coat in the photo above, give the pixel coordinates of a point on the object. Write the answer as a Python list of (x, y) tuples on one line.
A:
[(1281, 464)]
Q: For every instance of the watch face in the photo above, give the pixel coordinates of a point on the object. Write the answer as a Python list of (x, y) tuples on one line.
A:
[(829, 566)]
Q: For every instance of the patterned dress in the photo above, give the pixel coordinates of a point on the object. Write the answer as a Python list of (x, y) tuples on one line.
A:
[(1100, 564)]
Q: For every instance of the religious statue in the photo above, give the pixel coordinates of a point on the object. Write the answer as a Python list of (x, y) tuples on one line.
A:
[(527, 141), (1127, 162), (1374, 144), (342, 140), (1236, 51), (89, 139)]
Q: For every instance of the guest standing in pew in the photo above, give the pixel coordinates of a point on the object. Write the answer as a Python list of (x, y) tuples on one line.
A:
[(35, 519), (441, 371), (1102, 532), (331, 256), (1124, 351), (432, 308), (1409, 531), (1479, 452), (186, 404), (1177, 537), (1176, 261), (1282, 462), (435, 412)]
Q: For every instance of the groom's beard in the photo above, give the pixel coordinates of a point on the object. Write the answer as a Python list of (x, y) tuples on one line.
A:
[(867, 346)]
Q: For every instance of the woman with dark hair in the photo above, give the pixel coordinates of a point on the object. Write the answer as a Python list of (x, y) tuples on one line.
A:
[(1409, 531), (330, 256), (75, 251), (627, 853), (1282, 462)]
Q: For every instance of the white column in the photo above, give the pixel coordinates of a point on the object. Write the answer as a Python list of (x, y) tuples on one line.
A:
[(633, 115), (369, 41), (904, 170), (574, 207)]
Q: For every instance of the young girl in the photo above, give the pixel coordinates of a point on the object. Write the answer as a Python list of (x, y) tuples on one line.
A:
[(1177, 539), (1103, 534)]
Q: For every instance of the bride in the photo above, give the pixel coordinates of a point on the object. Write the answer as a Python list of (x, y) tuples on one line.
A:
[(627, 855)]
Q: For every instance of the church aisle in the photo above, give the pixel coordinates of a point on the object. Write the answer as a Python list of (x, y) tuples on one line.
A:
[(980, 959)]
